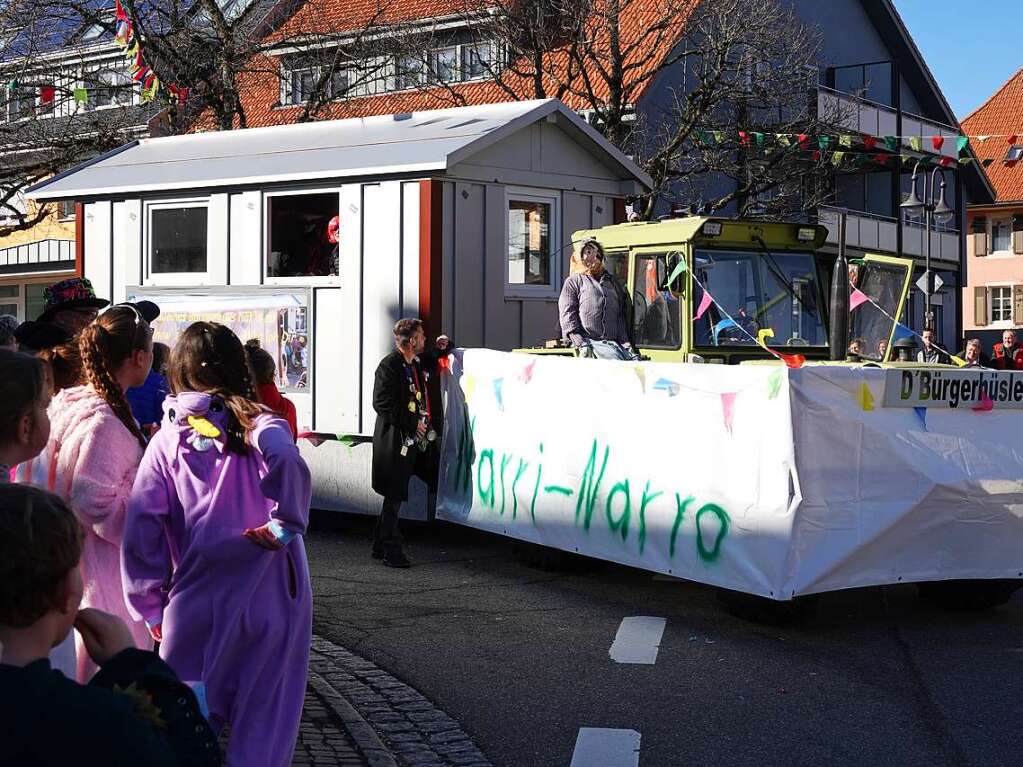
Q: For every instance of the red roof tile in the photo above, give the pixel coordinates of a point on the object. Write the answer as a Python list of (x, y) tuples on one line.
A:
[(639, 34), (999, 117)]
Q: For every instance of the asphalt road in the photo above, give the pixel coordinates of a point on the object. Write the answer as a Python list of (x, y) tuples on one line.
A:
[(521, 658)]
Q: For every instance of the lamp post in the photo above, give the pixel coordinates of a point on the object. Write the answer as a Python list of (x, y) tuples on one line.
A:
[(934, 209)]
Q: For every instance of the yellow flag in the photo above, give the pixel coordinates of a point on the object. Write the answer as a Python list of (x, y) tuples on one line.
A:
[(846, 141), (959, 361), (866, 397), (763, 335), (641, 375), (469, 385), (917, 143)]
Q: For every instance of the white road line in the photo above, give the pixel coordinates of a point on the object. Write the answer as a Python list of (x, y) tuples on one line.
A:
[(637, 640), (599, 747)]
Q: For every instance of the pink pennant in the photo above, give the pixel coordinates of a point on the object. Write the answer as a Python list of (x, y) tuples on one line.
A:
[(705, 303), (314, 438), (856, 298), (986, 403), (728, 409), (527, 372)]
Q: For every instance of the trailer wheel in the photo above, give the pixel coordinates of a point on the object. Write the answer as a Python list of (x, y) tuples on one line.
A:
[(757, 609), (544, 557), (969, 595)]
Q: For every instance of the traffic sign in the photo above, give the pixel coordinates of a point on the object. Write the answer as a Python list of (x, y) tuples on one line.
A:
[(936, 282)]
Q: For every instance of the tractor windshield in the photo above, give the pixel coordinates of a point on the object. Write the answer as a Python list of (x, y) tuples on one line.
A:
[(752, 291), (872, 323)]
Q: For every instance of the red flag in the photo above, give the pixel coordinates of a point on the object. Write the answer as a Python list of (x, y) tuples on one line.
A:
[(46, 94), (816, 155), (745, 139), (869, 142), (938, 141), (794, 361), (1013, 139), (881, 159), (140, 73), (119, 13), (945, 162), (804, 140)]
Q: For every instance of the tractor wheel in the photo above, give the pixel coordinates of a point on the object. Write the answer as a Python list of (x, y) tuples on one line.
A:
[(969, 596)]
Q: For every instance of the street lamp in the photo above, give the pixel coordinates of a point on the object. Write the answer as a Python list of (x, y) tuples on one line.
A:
[(933, 210)]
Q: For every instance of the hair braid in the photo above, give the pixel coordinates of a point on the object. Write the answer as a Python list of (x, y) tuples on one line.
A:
[(94, 344)]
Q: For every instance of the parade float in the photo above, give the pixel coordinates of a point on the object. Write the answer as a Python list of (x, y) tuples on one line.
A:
[(782, 477)]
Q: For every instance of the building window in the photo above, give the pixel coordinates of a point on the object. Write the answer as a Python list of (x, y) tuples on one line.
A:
[(177, 239), (66, 210), (301, 84), (1000, 301), (21, 102), (109, 88), (408, 72), (299, 238), (444, 63), (531, 270), (1015, 153), (478, 60), (1001, 236)]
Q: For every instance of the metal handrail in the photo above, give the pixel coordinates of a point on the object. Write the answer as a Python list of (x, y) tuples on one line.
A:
[(887, 108), (860, 213)]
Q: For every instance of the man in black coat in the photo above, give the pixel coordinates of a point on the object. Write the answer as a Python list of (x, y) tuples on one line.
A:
[(407, 432)]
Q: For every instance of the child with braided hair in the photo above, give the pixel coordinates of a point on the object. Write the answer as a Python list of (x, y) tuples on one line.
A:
[(213, 558), (93, 454)]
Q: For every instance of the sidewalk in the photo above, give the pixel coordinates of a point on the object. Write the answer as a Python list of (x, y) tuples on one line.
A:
[(357, 714)]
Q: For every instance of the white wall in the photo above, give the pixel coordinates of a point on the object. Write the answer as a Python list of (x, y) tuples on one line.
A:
[(98, 247)]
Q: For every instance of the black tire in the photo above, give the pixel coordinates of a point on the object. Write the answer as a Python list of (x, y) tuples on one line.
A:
[(969, 595), (544, 557), (756, 609)]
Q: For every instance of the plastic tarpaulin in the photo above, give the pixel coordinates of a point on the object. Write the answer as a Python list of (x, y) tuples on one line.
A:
[(761, 479)]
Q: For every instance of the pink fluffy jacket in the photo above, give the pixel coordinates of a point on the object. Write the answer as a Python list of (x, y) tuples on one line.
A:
[(90, 462)]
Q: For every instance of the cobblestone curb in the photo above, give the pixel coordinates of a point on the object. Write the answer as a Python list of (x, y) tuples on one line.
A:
[(390, 723)]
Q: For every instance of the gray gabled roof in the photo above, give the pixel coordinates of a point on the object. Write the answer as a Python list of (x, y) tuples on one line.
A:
[(413, 143)]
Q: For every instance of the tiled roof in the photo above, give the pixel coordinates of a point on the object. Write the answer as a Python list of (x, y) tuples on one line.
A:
[(260, 88), (1000, 116)]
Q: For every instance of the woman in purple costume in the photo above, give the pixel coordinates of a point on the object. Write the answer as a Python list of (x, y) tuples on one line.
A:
[(212, 560)]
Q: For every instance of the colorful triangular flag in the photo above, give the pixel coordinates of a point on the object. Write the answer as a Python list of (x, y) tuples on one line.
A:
[(728, 409), (866, 397), (921, 413)]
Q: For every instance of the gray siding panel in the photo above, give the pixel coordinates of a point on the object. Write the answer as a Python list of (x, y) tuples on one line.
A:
[(470, 315)]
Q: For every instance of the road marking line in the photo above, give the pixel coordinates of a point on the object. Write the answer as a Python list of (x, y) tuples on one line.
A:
[(638, 639), (600, 747)]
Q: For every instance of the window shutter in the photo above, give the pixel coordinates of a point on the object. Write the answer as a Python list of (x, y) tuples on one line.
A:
[(1017, 235), (978, 239), (980, 306), (1017, 304), (981, 245)]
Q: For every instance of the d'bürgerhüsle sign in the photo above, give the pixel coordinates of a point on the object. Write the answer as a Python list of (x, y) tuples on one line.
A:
[(951, 388)]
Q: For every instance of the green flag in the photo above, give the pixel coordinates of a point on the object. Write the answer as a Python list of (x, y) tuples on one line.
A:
[(679, 270), (962, 142), (81, 95), (892, 143)]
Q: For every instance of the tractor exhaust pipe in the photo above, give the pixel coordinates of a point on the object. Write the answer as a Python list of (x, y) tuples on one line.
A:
[(839, 307)]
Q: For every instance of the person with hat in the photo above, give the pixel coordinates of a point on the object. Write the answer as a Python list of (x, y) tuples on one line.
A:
[(71, 305), (593, 307)]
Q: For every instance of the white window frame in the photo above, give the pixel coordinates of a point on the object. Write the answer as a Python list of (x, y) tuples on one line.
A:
[(113, 69), (434, 56), (175, 279), (992, 322), (267, 239), (991, 236), (550, 197)]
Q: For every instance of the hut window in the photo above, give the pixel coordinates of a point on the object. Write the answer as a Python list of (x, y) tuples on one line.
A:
[(530, 224), (299, 241), (177, 239)]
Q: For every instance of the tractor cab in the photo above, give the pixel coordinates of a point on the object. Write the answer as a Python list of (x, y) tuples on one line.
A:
[(707, 289)]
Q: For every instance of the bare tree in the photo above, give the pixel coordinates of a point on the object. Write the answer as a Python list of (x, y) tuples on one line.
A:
[(57, 105), (673, 83)]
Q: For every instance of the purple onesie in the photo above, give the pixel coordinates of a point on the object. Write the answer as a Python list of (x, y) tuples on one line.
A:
[(236, 618)]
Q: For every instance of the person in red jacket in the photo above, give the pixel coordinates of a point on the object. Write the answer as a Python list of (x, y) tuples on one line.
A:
[(1008, 355), (265, 371)]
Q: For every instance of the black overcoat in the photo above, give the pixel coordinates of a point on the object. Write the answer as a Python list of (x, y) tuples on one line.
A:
[(391, 398)]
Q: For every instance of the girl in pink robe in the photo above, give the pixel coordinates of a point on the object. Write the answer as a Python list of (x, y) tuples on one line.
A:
[(92, 455), (212, 557)]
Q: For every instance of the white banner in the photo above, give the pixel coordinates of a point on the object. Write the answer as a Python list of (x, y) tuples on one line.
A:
[(757, 478), (934, 388)]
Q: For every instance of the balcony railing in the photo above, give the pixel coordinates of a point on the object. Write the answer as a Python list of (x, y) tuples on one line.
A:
[(40, 252), (865, 231), (858, 115), (869, 232)]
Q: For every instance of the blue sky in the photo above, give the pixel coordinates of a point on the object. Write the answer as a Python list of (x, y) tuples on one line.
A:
[(971, 47)]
